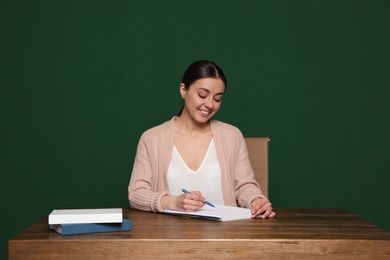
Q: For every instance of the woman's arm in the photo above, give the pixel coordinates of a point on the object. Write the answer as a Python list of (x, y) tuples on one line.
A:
[(141, 191), (248, 191), (147, 189)]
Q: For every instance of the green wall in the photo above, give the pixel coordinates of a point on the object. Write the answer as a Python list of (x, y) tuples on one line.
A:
[(81, 80)]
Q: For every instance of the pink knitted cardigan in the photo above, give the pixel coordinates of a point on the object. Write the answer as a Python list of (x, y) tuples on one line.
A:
[(148, 182)]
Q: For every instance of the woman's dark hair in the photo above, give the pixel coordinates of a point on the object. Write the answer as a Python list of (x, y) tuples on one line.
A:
[(202, 69), (199, 70)]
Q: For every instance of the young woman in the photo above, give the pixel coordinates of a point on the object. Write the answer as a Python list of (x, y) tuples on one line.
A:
[(195, 152)]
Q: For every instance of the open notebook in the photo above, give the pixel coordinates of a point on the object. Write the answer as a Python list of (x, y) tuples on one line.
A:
[(219, 213)]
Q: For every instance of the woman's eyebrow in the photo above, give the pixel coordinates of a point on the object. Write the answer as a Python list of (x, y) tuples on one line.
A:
[(204, 89)]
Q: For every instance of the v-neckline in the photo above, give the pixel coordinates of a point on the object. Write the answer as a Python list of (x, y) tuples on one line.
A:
[(203, 161)]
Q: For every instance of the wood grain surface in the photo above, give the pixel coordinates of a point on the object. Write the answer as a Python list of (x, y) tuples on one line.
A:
[(293, 234)]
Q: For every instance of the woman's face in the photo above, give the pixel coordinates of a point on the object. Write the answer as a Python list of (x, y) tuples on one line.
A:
[(203, 98)]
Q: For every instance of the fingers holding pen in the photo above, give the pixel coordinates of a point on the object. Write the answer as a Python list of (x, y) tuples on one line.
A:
[(193, 201)]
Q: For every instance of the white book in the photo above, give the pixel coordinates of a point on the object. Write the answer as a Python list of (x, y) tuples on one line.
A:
[(79, 216), (219, 213)]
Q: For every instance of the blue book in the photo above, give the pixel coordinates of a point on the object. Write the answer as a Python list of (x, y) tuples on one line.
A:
[(73, 229)]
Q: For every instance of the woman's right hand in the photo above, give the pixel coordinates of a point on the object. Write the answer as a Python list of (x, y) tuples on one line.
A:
[(185, 202)]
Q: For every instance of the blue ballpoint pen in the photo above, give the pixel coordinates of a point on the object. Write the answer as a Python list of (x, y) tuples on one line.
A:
[(188, 192)]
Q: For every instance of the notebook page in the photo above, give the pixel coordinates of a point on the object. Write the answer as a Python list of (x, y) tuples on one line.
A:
[(220, 213)]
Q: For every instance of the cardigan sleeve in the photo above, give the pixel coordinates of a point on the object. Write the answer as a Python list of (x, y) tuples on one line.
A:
[(246, 187), (142, 192)]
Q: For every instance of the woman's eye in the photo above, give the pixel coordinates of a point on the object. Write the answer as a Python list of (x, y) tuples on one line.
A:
[(201, 96), (217, 100)]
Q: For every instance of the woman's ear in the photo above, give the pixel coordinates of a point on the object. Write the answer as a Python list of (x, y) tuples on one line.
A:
[(183, 90)]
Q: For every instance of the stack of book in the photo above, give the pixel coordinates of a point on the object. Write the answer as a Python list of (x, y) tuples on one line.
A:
[(81, 221)]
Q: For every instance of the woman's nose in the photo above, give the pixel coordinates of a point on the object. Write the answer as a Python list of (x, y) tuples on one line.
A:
[(209, 103)]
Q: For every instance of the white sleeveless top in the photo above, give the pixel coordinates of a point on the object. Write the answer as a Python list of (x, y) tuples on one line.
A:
[(207, 179)]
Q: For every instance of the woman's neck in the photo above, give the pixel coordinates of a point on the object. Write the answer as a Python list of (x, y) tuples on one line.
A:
[(186, 125)]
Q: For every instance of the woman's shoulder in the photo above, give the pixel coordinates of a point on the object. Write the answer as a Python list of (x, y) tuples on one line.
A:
[(225, 128), (158, 130)]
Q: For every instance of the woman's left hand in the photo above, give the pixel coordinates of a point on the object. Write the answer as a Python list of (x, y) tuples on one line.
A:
[(262, 206)]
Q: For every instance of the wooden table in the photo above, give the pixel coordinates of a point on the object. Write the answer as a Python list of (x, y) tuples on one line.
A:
[(293, 234)]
